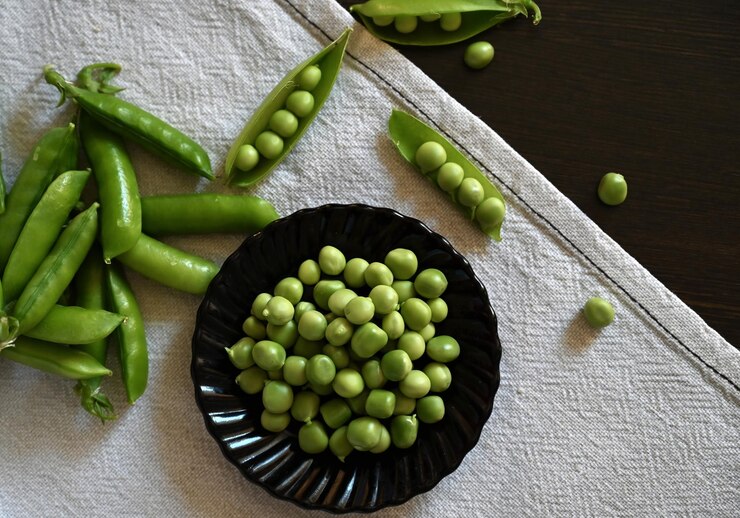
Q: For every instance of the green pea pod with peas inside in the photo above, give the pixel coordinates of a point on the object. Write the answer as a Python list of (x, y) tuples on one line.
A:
[(468, 18), (329, 61), (134, 123), (170, 266), (55, 153), (56, 271), (131, 335), (408, 133), (54, 358), (74, 325), (205, 214), (42, 229)]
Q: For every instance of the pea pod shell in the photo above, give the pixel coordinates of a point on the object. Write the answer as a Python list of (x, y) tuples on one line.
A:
[(408, 133), (55, 153), (205, 214), (75, 325), (54, 358), (41, 230), (56, 272), (330, 61), (477, 16)]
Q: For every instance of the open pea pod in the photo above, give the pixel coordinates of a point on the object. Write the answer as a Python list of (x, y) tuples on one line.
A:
[(329, 61), (409, 133), (476, 17)]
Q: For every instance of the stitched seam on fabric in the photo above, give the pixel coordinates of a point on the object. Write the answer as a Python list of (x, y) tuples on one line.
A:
[(527, 205)]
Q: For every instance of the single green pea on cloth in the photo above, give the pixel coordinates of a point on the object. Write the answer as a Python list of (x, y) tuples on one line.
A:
[(639, 416)]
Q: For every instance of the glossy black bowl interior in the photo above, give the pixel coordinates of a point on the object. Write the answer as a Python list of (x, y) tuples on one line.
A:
[(365, 482)]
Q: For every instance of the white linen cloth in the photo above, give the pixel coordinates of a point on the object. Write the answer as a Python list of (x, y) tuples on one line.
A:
[(640, 419)]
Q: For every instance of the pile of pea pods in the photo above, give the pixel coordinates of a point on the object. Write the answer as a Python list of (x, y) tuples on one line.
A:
[(350, 346), (63, 289)]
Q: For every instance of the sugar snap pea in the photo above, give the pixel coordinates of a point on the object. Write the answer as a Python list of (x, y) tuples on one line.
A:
[(329, 61), (56, 271), (118, 192), (131, 336), (132, 122), (471, 17), (409, 134), (2, 186), (205, 214), (54, 358), (41, 230), (55, 153), (75, 325), (169, 266)]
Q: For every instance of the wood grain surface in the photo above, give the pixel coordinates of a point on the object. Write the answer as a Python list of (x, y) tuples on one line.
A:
[(647, 89)]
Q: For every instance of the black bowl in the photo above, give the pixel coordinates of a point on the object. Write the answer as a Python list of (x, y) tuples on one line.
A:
[(365, 482)]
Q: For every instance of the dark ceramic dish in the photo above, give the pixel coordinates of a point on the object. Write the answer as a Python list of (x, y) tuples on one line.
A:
[(365, 482)]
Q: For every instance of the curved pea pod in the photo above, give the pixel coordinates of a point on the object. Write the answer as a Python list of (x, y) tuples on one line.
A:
[(2, 186), (55, 153), (75, 325), (408, 133), (329, 61), (476, 17), (41, 230), (132, 122), (54, 358), (205, 214), (56, 271)]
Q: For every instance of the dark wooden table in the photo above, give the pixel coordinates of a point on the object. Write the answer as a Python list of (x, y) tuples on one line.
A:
[(647, 89)]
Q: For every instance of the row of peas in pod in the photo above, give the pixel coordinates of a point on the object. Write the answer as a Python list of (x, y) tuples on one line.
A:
[(348, 348)]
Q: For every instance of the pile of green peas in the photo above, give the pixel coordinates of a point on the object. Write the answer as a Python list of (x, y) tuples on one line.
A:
[(283, 123), (406, 24), (349, 349)]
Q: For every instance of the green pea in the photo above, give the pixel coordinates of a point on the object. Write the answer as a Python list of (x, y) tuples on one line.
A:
[(598, 312), (430, 156), (312, 326), (383, 21), (404, 429), (439, 309), (359, 310), (413, 344), (368, 339), (291, 289), (396, 365), (354, 272), (335, 413), (393, 325), (428, 332), (269, 144), (240, 353), (478, 55), (323, 290), (450, 22), (450, 176), (312, 437), (339, 299), (307, 348), (252, 380), (309, 78), (378, 274), (430, 17), (612, 189), (357, 403), (416, 313), (339, 332), (276, 375), (339, 355), (294, 371), (285, 335), (339, 445), (430, 409), (405, 24), (309, 272), (416, 384), (274, 422), (402, 263), (385, 441), (439, 376), (320, 370), (301, 308), (443, 349), (384, 298), (284, 123), (363, 433), (277, 397), (253, 328), (258, 306), (405, 290), (278, 311), (490, 213), (321, 390), (305, 406), (470, 193), (300, 102), (431, 283), (404, 405), (380, 403), (348, 383), (331, 260), (268, 355), (247, 158), (373, 375)]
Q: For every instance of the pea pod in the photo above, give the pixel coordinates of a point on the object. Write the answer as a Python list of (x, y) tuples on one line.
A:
[(329, 60), (131, 336), (169, 266), (54, 358), (56, 271), (205, 214), (476, 17), (409, 133), (55, 153), (118, 192), (41, 230), (2, 186), (132, 122), (75, 325)]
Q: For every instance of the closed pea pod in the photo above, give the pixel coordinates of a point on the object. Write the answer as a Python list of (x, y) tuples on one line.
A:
[(2, 186), (54, 358), (75, 325)]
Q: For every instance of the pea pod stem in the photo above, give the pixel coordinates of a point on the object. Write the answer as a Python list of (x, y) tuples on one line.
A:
[(55, 359)]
